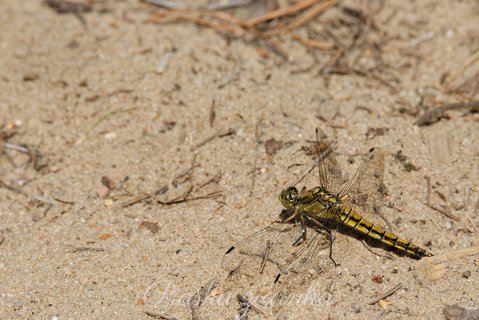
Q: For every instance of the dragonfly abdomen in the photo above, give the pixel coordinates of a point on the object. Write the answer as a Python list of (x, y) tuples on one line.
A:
[(355, 221)]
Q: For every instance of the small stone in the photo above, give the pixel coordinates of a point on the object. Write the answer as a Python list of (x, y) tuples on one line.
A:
[(384, 304), (466, 274), (110, 136), (215, 292), (30, 77), (356, 307), (105, 236), (152, 226), (102, 191)]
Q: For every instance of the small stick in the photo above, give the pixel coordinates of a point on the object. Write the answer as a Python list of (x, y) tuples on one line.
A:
[(82, 249), (381, 215), (9, 187), (472, 224), (159, 316), (215, 179), (63, 201), (106, 116), (212, 115), (274, 47), (179, 199), (430, 205), (281, 12), (435, 114), (16, 147), (435, 224), (453, 76), (229, 132), (311, 14), (173, 5), (135, 200), (444, 212), (184, 198), (187, 172), (61, 6), (386, 294)]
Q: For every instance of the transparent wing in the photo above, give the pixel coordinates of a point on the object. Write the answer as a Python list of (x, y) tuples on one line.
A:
[(366, 190), (266, 246), (309, 260), (329, 172), (280, 251)]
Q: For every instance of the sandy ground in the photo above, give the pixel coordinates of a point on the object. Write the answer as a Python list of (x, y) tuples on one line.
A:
[(121, 98)]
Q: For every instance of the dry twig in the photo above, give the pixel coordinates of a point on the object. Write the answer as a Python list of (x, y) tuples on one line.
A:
[(174, 5), (386, 294), (159, 316), (435, 114), (226, 133), (457, 73)]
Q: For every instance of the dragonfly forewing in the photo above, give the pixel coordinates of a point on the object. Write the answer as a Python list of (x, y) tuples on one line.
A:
[(284, 251)]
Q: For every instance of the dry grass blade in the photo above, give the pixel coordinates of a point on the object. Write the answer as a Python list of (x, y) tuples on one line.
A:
[(435, 268), (386, 294), (11, 188), (457, 73), (281, 12), (61, 6), (226, 133), (135, 200), (311, 14), (445, 212), (174, 5), (451, 255)]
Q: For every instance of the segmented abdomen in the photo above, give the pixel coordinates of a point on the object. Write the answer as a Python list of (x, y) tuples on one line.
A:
[(354, 220)]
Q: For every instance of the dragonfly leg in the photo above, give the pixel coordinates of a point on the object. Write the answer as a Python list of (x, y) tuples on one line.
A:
[(330, 235), (302, 237)]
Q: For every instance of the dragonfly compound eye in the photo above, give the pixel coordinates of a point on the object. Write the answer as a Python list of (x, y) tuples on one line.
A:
[(289, 197)]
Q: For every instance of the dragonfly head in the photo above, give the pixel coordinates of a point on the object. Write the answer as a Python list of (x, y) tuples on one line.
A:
[(289, 197)]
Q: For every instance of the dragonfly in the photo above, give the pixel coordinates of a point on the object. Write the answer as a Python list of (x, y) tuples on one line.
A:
[(293, 242)]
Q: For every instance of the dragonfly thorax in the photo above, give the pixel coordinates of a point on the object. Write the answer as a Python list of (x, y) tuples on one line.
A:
[(325, 196), (290, 197)]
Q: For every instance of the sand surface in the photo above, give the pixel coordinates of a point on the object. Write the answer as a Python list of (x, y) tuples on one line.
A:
[(177, 109)]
